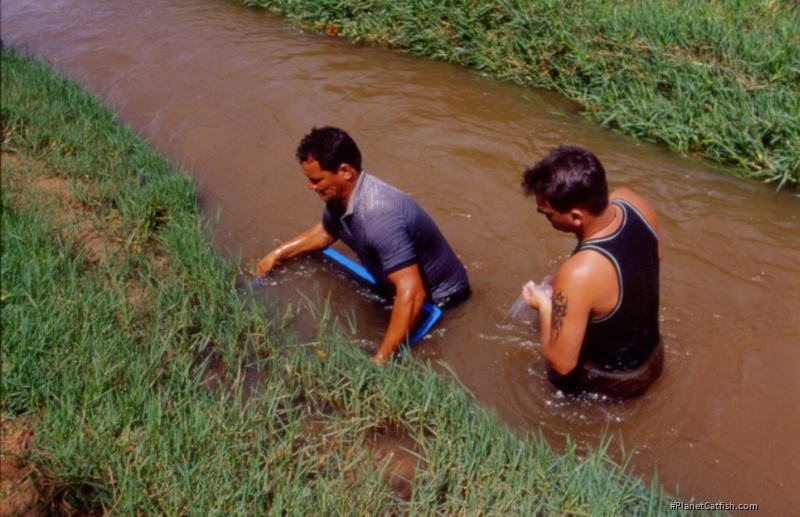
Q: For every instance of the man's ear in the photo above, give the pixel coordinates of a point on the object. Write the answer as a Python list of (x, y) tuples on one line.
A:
[(577, 217), (348, 172)]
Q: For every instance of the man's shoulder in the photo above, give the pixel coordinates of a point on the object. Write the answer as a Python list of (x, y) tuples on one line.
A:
[(587, 275), (371, 181), (582, 266), (625, 194), (628, 195), (638, 202), (378, 196)]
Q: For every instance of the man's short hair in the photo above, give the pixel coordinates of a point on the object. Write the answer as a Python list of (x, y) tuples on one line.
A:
[(331, 147), (569, 177)]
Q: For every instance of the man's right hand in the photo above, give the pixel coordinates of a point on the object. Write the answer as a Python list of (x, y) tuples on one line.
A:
[(315, 238)]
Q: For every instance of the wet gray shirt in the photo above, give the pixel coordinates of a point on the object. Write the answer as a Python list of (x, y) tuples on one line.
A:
[(388, 231)]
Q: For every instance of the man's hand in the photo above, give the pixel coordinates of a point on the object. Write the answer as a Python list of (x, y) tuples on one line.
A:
[(535, 296), (379, 359), (266, 264), (315, 238)]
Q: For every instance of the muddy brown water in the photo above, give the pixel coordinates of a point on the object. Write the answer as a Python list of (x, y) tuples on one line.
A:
[(227, 92)]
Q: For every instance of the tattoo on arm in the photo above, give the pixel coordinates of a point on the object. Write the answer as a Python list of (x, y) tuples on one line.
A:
[(559, 312)]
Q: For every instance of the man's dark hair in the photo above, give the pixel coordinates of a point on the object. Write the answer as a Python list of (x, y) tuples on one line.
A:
[(331, 147), (569, 177)]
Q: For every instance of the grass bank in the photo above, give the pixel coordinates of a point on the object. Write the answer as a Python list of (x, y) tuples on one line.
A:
[(719, 79), (129, 358)]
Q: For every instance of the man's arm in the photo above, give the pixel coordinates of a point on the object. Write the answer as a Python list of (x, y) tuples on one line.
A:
[(315, 238), (567, 326), (563, 319), (408, 300)]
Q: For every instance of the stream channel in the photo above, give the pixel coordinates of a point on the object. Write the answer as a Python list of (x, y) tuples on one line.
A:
[(227, 92)]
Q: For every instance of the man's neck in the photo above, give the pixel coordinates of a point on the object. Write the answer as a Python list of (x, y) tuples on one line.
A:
[(596, 226)]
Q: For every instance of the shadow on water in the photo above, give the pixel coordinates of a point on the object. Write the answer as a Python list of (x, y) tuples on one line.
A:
[(227, 92)]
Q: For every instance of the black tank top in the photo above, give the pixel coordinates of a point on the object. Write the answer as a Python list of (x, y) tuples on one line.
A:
[(625, 338)]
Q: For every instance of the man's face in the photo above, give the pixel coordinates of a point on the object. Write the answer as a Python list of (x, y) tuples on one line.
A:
[(561, 221), (329, 186)]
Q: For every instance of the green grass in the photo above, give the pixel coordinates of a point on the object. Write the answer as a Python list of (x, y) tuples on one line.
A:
[(104, 356), (719, 79)]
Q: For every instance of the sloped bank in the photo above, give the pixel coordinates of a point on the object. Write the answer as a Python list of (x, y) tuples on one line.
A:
[(713, 79)]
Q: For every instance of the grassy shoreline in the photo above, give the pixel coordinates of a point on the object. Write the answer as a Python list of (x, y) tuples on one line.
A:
[(718, 79), (114, 305)]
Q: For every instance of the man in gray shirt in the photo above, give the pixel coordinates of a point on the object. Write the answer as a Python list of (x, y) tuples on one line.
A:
[(394, 238)]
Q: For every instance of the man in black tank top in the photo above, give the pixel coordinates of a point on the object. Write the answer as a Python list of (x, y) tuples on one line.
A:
[(599, 330)]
